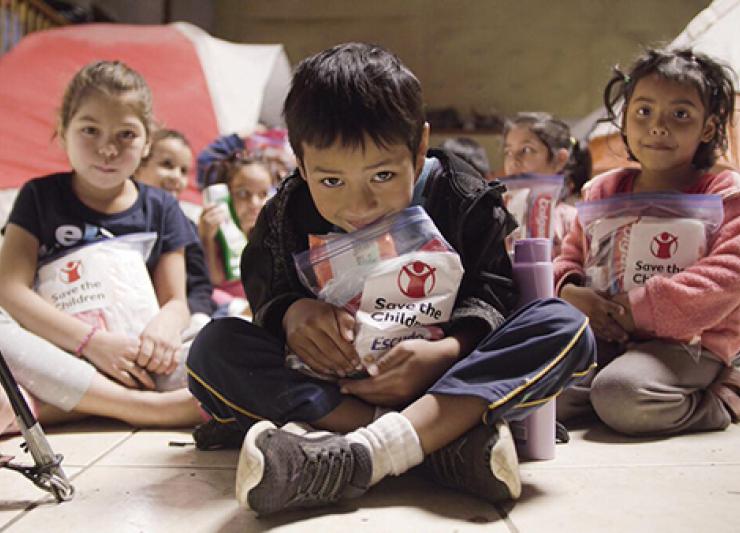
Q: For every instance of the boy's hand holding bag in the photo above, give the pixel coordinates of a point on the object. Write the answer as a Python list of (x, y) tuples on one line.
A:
[(398, 277)]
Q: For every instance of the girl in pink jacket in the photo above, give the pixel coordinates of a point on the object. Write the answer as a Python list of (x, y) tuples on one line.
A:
[(666, 348)]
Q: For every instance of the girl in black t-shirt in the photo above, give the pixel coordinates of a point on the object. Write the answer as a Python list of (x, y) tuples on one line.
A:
[(72, 367)]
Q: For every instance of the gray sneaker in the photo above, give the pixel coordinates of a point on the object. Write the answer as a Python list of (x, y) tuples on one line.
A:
[(280, 470), (482, 462)]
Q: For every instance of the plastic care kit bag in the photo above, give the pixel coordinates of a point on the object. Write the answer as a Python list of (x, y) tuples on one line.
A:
[(105, 284), (398, 276), (531, 199), (633, 237)]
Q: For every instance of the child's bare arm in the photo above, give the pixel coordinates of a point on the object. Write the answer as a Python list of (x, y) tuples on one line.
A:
[(112, 353), (17, 270), (160, 339), (321, 335)]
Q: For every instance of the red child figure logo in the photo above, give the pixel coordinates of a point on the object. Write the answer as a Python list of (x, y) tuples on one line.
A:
[(71, 271), (664, 245), (416, 279)]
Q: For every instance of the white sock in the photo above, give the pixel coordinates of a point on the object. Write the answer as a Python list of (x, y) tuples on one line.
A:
[(393, 443)]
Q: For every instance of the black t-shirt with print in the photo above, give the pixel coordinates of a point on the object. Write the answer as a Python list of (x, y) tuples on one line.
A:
[(49, 209)]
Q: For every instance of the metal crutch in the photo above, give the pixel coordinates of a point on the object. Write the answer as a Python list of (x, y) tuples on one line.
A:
[(47, 472)]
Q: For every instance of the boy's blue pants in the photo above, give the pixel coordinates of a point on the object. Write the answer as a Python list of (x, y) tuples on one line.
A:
[(236, 369)]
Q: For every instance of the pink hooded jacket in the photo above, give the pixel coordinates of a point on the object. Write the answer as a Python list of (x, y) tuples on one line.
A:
[(701, 302)]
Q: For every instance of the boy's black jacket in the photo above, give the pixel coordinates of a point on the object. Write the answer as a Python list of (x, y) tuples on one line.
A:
[(468, 211)]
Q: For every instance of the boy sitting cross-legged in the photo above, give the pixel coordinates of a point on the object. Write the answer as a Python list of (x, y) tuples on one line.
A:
[(356, 124)]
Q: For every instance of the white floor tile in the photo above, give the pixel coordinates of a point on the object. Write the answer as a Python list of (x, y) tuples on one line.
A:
[(599, 446), (598, 482), (18, 493), (80, 443), (122, 500), (111, 499), (408, 503), (153, 448), (618, 499)]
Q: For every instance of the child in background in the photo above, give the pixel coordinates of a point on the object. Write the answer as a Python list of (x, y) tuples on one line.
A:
[(538, 143), (361, 158), (167, 167), (73, 368), (250, 184), (471, 151), (269, 145), (677, 105)]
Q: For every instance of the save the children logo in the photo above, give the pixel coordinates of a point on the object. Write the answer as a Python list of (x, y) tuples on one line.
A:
[(71, 271), (416, 279), (664, 245)]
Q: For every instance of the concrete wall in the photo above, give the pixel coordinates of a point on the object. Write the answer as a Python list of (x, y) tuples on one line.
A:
[(198, 12), (492, 56), (503, 55)]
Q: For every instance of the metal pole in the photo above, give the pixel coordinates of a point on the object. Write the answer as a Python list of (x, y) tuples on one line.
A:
[(48, 473)]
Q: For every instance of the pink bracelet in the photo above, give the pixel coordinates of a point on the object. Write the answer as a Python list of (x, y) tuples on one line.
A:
[(85, 341)]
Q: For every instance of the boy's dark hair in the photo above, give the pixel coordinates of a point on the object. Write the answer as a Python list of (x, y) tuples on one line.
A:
[(469, 150), (555, 135), (351, 90), (712, 79)]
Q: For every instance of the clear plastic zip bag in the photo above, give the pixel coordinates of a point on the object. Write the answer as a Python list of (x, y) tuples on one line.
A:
[(633, 237), (531, 199), (399, 277)]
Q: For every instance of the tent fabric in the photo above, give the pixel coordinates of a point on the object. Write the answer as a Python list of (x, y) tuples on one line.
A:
[(187, 70), (241, 94)]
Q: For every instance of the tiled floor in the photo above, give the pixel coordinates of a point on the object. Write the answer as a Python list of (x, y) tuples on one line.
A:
[(135, 481)]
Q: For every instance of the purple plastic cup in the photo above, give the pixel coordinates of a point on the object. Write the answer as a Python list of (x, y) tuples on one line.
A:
[(532, 270)]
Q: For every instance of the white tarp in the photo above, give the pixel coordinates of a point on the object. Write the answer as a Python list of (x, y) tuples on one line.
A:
[(248, 83)]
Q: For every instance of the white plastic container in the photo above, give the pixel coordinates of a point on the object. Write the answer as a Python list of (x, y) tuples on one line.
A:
[(230, 237)]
